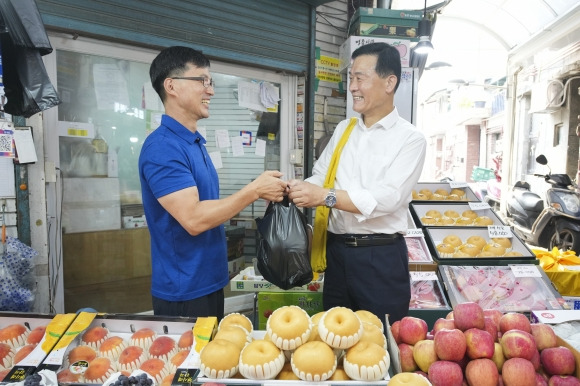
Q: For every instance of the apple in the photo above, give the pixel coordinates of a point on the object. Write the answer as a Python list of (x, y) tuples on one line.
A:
[(408, 364), (395, 327), (544, 335), (536, 360), (518, 344), (518, 371), (514, 321), (412, 330), (481, 372), (563, 380), (424, 354), (468, 315), (498, 358), (443, 323), (445, 373), (489, 326), (480, 343), (450, 345), (449, 315), (541, 380), (494, 314), (558, 360)]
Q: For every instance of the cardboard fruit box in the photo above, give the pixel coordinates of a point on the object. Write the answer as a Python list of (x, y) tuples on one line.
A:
[(42, 333), (248, 281), (562, 322), (268, 302), (123, 326), (432, 187), (436, 235), (423, 217), (512, 288)]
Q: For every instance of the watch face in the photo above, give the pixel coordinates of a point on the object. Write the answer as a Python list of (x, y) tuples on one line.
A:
[(330, 200)]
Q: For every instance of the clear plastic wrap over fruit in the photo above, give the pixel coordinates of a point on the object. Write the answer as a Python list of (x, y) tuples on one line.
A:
[(497, 287)]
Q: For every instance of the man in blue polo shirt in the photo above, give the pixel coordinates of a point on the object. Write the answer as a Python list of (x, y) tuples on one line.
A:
[(180, 190)]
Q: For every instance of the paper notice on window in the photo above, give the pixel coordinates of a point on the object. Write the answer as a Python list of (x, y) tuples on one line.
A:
[(222, 139), (216, 159), (110, 86), (260, 148), (249, 96), (237, 146)]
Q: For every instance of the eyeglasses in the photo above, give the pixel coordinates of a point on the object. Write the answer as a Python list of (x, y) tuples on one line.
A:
[(207, 82)]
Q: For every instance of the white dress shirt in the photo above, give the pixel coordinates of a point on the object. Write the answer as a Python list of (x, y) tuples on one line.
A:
[(379, 167)]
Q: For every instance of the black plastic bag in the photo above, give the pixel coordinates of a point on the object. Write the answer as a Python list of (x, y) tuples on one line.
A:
[(283, 247)]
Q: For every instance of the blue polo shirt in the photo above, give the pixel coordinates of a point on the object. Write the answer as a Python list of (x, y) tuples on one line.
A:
[(184, 267)]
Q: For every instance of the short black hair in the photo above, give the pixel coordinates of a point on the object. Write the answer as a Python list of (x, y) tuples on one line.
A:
[(388, 59), (174, 61)]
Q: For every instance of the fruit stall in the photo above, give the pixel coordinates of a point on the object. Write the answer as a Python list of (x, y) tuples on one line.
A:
[(484, 310)]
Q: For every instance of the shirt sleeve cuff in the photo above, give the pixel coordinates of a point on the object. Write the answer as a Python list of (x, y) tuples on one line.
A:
[(365, 203)]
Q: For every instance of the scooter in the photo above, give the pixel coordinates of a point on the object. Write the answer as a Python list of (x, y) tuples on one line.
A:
[(555, 225), (493, 187)]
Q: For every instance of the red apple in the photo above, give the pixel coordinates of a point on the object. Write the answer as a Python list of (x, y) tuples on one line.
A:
[(395, 328), (445, 373), (443, 323), (408, 364), (450, 345), (424, 354), (489, 326), (498, 358), (494, 314), (481, 372), (518, 344), (558, 361), (514, 321), (544, 335), (541, 380), (468, 315), (412, 330), (518, 372), (536, 360), (563, 380), (480, 344), (449, 315)]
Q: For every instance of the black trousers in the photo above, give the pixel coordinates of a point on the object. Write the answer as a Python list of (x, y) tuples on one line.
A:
[(372, 278), (208, 305)]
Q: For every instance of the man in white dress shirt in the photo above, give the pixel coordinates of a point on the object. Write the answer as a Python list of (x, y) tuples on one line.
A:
[(366, 254)]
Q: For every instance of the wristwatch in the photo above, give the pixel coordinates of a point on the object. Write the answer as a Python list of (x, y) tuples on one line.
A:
[(330, 199)]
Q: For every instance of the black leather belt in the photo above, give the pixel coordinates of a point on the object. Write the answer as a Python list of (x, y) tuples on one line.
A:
[(372, 240)]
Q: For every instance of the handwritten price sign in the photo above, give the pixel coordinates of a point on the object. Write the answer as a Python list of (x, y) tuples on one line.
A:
[(479, 205), (456, 184), (415, 233), (499, 231), (525, 270), (423, 276)]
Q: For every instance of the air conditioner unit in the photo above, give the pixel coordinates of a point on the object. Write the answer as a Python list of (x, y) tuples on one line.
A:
[(547, 97)]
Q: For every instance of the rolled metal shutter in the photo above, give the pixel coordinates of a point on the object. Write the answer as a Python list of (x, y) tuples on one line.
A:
[(266, 33)]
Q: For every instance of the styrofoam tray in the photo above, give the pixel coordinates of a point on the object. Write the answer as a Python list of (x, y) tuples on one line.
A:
[(419, 210)]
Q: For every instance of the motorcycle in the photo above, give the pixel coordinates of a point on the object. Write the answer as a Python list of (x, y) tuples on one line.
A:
[(556, 224), (493, 186)]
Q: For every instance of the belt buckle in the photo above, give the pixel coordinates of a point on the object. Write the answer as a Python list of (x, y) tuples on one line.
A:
[(350, 242)]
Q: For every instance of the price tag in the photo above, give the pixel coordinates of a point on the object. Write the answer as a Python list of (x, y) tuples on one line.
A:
[(418, 232), (499, 231), (456, 184), (525, 270), (423, 276), (479, 205)]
